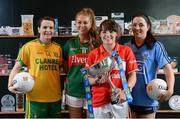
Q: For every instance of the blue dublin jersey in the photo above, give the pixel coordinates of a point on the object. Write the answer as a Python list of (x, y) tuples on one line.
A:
[(148, 60)]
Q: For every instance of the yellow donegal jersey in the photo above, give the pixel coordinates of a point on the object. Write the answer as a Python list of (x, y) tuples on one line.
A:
[(43, 62)]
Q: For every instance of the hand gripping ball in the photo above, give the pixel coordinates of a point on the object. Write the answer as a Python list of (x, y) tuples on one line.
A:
[(23, 82), (155, 88)]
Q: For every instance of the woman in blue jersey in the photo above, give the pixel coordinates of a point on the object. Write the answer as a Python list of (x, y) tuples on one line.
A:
[(150, 55), (75, 53)]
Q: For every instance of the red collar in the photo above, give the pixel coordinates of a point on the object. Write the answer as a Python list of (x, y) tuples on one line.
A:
[(102, 49)]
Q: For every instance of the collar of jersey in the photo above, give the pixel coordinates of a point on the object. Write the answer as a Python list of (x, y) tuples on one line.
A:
[(102, 49), (43, 43)]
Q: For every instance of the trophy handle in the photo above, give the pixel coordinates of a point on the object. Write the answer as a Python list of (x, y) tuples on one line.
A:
[(115, 92), (111, 83)]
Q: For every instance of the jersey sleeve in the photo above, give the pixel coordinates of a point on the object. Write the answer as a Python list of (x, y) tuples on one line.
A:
[(161, 55), (23, 55), (131, 61), (91, 59)]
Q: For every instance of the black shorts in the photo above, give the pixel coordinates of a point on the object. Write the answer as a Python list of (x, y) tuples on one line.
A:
[(143, 109)]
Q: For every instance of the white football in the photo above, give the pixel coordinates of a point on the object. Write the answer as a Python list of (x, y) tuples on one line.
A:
[(23, 82), (155, 88)]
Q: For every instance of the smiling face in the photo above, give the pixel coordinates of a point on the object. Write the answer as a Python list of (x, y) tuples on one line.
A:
[(139, 28), (109, 32), (108, 37), (83, 24), (46, 31)]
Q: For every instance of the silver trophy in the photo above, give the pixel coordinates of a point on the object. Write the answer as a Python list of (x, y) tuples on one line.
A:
[(104, 68)]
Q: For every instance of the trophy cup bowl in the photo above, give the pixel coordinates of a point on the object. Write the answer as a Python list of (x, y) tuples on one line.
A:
[(104, 67), (101, 67)]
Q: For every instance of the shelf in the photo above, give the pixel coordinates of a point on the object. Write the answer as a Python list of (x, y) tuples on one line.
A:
[(26, 36), (11, 113), (166, 34), (18, 36), (14, 113), (66, 111), (156, 35), (19, 115), (168, 111), (70, 36)]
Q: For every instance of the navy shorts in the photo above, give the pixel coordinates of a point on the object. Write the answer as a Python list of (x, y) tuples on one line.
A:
[(143, 109)]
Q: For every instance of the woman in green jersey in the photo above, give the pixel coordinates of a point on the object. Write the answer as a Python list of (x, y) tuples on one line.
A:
[(75, 53)]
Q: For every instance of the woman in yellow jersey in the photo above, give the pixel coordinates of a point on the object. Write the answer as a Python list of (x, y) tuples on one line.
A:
[(42, 57)]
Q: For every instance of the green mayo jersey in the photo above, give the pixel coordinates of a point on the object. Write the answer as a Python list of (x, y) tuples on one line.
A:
[(75, 54)]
